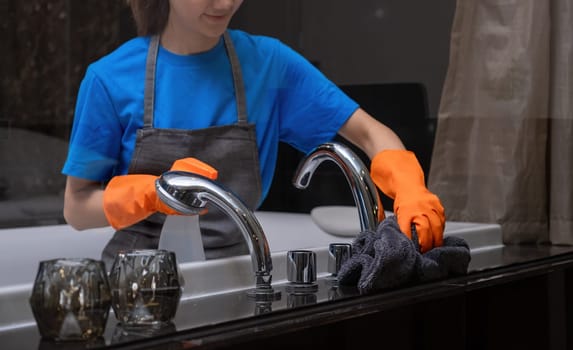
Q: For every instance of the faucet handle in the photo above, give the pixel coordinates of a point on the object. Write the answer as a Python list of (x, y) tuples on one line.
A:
[(338, 253), (301, 266)]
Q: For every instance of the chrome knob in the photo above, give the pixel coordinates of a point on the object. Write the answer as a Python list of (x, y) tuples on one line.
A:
[(301, 266), (338, 253), (300, 299)]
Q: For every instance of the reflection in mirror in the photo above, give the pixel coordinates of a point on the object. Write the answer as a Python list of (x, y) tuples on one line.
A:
[(124, 333)]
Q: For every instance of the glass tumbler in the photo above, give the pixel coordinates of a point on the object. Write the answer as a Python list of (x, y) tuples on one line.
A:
[(71, 299), (145, 287)]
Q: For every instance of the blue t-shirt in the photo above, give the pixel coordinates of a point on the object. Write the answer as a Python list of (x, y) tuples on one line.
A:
[(288, 100)]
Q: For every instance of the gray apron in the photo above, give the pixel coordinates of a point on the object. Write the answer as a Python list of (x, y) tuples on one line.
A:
[(231, 149)]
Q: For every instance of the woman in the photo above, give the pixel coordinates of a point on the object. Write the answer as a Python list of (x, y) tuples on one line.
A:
[(189, 87)]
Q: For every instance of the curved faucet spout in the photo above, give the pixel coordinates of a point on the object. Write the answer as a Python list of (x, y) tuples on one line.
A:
[(363, 189), (189, 193)]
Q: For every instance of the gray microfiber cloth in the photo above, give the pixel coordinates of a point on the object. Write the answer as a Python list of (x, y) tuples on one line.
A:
[(387, 258)]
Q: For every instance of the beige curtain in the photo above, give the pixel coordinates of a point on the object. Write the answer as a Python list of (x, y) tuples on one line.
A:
[(504, 142)]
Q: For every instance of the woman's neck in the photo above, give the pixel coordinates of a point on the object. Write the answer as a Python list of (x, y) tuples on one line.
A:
[(186, 43)]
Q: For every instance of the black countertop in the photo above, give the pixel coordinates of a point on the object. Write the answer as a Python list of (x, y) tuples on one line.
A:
[(228, 318)]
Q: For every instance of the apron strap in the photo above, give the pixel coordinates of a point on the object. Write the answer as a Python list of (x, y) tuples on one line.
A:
[(150, 68), (237, 79), (149, 93)]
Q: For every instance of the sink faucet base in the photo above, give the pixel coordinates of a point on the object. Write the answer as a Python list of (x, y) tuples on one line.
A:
[(264, 294)]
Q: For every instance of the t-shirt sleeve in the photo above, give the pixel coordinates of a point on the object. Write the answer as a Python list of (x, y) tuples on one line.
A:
[(95, 140), (312, 108)]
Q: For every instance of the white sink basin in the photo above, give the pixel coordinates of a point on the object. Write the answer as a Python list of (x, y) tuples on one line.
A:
[(287, 231), (23, 248)]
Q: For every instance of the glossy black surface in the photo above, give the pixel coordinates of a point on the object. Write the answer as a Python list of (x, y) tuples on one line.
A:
[(230, 317)]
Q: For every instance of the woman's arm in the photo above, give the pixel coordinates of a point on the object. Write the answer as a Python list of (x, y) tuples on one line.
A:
[(83, 204), (368, 134), (126, 200), (397, 173)]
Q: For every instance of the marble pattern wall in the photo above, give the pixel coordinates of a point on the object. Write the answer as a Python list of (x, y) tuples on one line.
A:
[(45, 47)]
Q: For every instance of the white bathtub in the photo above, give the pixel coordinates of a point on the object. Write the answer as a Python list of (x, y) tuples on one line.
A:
[(23, 248)]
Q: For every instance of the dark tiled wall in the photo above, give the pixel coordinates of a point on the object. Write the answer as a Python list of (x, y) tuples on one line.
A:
[(45, 47)]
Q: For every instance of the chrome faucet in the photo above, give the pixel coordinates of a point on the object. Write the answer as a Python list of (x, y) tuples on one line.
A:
[(189, 193), (363, 189)]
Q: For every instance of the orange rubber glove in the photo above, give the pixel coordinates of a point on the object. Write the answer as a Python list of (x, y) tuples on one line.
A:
[(399, 175), (128, 199)]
